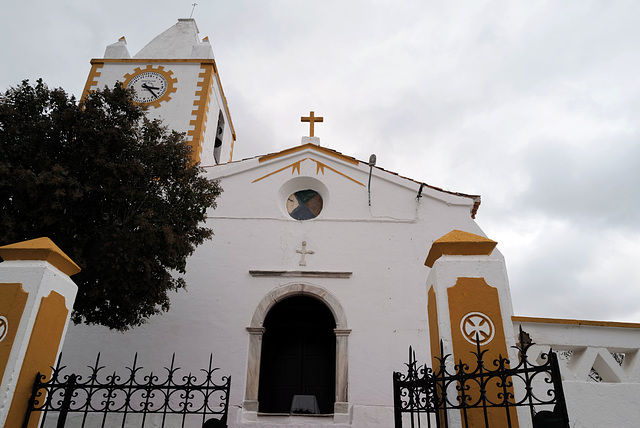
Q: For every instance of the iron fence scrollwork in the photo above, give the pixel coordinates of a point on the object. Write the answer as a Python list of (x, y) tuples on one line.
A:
[(108, 399), (426, 396)]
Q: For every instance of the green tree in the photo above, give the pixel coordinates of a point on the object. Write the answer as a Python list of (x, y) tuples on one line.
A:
[(115, 191)]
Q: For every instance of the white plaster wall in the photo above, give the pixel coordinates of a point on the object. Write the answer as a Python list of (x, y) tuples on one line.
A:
[(612, 402), (596, 405), (575, 336)]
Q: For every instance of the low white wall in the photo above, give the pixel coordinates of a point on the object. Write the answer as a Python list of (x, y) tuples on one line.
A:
[(600, 391)]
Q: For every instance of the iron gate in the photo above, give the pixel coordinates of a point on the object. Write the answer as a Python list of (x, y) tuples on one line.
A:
[(110, 400), (426, 398)]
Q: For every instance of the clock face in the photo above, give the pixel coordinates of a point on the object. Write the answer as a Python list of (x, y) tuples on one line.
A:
[(151, 85), (148, 87)]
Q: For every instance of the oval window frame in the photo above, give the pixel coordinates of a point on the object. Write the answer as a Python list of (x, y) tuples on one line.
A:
[(299, 184)]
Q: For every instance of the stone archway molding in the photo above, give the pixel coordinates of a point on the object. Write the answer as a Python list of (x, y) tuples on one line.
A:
[(256, 330), (298, 289)]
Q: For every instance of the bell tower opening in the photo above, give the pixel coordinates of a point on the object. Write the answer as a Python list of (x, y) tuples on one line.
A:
[(298, 355), (217, 146)]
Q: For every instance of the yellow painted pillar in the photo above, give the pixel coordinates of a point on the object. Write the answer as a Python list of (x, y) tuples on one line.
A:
[(468, 297), (36, 298)]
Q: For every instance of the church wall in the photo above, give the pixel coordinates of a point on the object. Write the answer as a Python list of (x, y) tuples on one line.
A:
[(384, 299), (368, 249)]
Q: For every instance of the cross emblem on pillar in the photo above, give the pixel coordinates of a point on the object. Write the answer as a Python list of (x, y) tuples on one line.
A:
[(311, 119), (476, 326), (304, 252)]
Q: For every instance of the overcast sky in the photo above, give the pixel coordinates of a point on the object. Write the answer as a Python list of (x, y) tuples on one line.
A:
[(535, 105)]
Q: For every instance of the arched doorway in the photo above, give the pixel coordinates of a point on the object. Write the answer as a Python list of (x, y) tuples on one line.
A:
[(298, 355)]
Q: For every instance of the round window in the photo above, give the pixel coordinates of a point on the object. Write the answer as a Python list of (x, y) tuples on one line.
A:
[(304, 204)]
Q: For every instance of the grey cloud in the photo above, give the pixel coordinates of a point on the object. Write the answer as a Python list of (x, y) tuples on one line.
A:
[(596, 184)]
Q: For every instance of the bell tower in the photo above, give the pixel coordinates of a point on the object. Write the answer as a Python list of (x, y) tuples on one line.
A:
[(176, 77)]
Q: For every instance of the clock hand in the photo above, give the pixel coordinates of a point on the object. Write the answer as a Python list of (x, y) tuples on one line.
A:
[(149, 88)]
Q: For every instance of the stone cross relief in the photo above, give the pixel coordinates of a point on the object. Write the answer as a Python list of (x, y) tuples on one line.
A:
[(304, 252)]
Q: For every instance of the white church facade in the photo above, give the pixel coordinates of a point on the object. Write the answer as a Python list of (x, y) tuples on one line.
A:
[(323, 270)]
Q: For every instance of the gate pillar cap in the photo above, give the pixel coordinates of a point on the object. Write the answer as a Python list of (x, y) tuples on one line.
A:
[(459, 243), (40, 249)]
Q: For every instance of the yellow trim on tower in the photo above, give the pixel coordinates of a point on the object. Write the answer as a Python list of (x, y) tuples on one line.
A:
[(92, 80), (41, 355), (40, 249), (152, 60), (309, 146), (201, 111)]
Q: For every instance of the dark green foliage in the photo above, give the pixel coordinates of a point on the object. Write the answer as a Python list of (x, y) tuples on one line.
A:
[(115, 191)]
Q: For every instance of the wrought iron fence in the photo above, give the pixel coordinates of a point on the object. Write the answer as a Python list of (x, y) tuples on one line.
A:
[(477, 396), (107, 399)]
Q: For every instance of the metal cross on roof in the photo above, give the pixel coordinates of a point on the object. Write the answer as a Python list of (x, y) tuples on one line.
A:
[(311, 119)]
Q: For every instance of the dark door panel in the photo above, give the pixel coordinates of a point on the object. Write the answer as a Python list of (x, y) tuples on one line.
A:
[(298, 355)]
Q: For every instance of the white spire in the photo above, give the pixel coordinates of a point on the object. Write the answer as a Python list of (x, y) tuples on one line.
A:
[(178, 42)]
